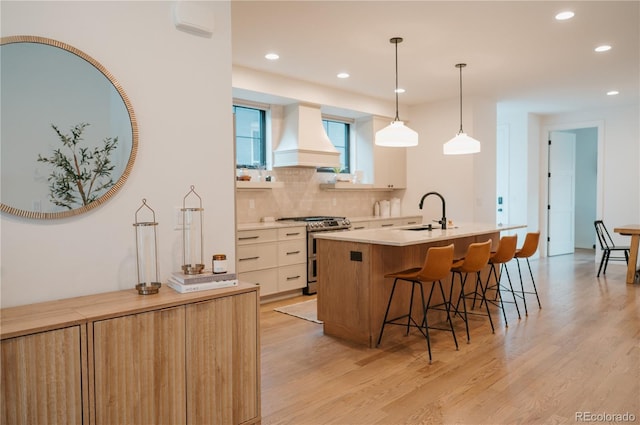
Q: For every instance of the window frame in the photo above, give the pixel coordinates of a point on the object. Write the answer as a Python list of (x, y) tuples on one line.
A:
[(348, 143), (263, 134)]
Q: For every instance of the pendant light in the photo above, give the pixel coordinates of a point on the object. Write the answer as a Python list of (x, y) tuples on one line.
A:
[(462, 143), (396, 134)]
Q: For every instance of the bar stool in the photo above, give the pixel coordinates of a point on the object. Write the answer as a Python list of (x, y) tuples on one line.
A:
[(529, 247), (474, 261), (504, 253), (436, 267)]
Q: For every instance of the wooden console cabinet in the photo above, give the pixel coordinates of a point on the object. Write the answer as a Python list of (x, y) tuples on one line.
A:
[(125, 358)]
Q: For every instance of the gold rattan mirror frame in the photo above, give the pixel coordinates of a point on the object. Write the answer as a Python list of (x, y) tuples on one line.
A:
[(134, 136)]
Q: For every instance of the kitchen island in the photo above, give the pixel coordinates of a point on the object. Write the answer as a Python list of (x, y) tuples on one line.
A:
[(352, 290)]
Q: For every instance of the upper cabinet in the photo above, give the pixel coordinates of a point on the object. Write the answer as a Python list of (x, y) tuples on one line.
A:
[(384, 167)]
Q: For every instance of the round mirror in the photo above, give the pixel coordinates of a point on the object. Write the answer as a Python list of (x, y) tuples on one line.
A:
[(68, 136)]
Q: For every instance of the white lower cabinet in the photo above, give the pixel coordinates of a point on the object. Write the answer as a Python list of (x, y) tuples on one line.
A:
[(274, 259), (359, 225), (407, 221), (266, 279), (257, 256), (292, 277)]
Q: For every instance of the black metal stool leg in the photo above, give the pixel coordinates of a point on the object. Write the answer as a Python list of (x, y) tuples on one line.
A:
[(498, 294), (464, 305), (486, 304), (448, 308), (386, 314), (524, 297), (513, 293), (424, 319), (533, 281), (413, 287)]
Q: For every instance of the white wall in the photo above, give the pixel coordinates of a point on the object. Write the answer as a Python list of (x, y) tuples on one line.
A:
[(619, 198), (520, 170), (467, 182), (180, 87)]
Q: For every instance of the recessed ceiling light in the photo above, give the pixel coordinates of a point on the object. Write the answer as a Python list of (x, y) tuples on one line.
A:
[(399, 90), (613, 92), (563, 16), (602, 48), (272, 56), (343, 75)]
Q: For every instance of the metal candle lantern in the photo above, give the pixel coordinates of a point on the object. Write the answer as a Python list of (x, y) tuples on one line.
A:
[(146, 252), (192, 244)]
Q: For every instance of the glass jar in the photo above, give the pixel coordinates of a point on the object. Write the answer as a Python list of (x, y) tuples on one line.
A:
[(219, 263)]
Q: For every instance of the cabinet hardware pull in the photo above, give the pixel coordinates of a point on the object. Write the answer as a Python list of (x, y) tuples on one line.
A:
[(387, 225), (293, 234), (293, 277), (244, 238), (249, 258), (358, 228), (293, 252)]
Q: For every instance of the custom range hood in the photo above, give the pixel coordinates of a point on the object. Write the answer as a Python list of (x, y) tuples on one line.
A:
[(304, 142)]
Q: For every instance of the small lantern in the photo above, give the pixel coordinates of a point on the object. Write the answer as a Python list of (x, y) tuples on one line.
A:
[(146, 252), (192, 244)]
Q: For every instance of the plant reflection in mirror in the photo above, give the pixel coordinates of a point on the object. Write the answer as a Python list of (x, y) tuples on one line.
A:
[(80, 175)]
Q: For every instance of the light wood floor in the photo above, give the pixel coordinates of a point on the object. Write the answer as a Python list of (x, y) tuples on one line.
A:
[(579, 353)]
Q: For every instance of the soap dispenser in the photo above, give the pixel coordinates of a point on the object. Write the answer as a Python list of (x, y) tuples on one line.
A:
[(376, 209)]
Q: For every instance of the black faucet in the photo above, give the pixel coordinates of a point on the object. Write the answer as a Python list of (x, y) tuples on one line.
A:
[(443, 221)]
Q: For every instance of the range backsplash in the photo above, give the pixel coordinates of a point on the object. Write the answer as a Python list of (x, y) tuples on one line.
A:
[(302, 196)]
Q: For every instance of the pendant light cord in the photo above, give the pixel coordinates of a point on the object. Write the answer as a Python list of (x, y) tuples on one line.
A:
[(460, 66), (396, 40), (396, 43)]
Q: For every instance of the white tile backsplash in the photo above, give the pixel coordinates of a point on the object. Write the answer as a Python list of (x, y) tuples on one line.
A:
[(302, 196)]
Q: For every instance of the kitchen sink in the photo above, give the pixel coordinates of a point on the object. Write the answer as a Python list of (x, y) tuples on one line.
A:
[(420, 228)]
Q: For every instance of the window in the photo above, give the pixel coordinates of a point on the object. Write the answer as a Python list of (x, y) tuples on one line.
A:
[(250, 137), (339, 134)]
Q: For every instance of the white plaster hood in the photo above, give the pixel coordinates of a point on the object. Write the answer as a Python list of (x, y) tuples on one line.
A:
[(304, 142)]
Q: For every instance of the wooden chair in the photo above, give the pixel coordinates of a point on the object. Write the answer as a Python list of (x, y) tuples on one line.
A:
[(436, 267), (608, 247)]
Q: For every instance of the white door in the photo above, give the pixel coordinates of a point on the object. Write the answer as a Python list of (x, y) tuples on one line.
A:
[(561, 203)]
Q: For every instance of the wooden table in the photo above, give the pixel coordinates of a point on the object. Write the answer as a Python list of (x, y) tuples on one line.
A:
[(632, 230)]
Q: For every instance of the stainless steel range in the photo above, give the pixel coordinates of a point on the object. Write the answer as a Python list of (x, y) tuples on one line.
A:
[(317, 224)]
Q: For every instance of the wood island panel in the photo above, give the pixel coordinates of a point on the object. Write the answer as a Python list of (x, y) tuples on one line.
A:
[(353, 294)]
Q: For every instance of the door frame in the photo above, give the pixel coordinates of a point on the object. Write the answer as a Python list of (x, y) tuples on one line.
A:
[(544, 167)]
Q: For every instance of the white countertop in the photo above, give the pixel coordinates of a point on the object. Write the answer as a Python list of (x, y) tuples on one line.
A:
[(270, 225), (378, 217), (399, 236), (280, 224)]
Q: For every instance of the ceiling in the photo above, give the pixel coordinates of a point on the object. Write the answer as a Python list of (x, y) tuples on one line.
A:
[(516, 52)]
